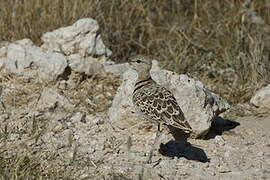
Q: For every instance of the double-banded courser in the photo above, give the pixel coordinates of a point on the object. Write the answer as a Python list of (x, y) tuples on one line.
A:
[(155, 102)]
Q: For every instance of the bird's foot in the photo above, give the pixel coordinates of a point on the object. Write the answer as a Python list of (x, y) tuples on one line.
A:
[(149, 160), (155, 163)]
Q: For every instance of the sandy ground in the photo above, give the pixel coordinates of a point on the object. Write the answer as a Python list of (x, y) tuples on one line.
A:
[(235, 150), (230, 151), (53, 141)]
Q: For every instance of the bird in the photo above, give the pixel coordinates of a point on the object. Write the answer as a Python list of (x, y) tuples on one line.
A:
[(154, 101)]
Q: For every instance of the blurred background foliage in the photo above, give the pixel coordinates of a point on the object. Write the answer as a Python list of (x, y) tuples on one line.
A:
[(224, 43)]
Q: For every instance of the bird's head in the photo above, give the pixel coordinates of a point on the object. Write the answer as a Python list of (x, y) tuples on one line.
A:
[(142, 64)]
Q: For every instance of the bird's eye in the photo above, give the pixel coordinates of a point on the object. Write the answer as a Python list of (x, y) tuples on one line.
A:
[(138, 61)]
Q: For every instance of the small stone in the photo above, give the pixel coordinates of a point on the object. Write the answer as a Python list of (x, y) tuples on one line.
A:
[(227, 154), (183, 173), (97, 120), (51, 99), (260, 153), (2, 63), (206, 165), (84, 176), (249, 143), (223, 169), (219, 140), (262, 98), (4, 116), (57, 128), (62, 84), (78, 117)]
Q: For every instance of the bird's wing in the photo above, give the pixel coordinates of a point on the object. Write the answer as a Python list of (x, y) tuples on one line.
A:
[(161, 106)]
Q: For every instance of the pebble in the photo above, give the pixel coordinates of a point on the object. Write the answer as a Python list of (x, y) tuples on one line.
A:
[(78, 117), (62, 84), (219, 140), (223, 169), (4, 116), (227, 154)]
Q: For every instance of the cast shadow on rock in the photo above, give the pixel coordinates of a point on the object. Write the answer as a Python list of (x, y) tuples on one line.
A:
[(181, 148), (219, 126)]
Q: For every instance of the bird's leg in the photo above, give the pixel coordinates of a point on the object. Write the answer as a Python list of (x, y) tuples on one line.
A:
[(157, 138)]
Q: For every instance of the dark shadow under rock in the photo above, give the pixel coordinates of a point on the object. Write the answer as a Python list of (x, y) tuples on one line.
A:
[(183, 149), (219, 126)]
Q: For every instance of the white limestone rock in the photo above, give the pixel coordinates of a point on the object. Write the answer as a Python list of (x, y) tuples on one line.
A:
[(82, 37), (95, 65), (88, 65), (24, 58), (78, 46), (116, 69), (50, 99), (199, 105), (262, 98), (122, 113), (2, 63)]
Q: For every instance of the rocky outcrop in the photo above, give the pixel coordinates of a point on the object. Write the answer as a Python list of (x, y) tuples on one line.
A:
[(78, 47), (262, 98), (24, 58), (199, 105), (116, 69), (88, 65), (82, 37)]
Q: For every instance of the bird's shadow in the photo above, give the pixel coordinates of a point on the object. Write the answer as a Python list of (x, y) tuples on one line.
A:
[(179, 147), (219, 126)]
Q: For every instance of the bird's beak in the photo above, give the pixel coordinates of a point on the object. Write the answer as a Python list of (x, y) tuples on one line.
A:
[(130, 62)]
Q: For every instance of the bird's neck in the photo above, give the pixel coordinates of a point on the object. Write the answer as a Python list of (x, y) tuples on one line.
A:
[(142, 82), (143, 76)]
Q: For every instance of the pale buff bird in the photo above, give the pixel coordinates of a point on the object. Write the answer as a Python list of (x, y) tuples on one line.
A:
[(156, 103)]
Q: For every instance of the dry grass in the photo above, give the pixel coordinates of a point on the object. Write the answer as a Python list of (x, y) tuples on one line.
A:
[(95, 93), (18, 159), (25, 167), (224, 43)]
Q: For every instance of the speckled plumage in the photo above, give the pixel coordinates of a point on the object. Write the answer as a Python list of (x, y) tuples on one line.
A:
[(156, 102)]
